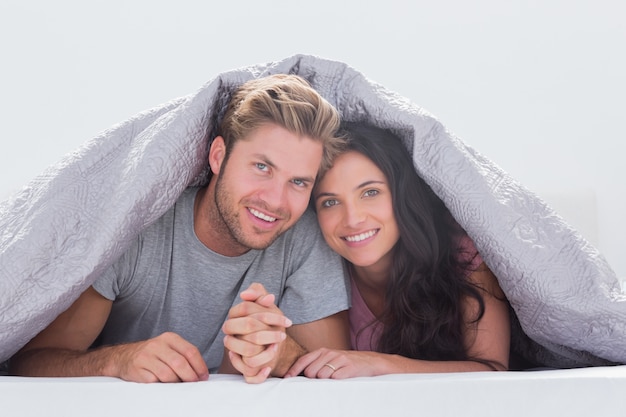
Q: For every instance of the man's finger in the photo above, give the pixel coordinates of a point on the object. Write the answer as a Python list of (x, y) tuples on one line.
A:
[(188, 360), (267, 300), (242, 347), (252, 345), (264, 337), (189, 364), (255, 323), (253, 292), (165, 373), (265, 357), (247, 308), (251, 375)]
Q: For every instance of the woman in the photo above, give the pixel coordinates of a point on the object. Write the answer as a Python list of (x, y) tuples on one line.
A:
[(422, 299)]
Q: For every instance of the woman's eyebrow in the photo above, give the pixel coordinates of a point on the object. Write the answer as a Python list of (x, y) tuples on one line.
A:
[(320, 195), (366, 183), (362, 185)]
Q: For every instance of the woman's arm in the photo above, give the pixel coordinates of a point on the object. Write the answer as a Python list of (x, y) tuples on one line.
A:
[(340, 364), (487, 342)]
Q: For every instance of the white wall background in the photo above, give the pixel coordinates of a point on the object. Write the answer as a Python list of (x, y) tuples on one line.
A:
[(536, 86)]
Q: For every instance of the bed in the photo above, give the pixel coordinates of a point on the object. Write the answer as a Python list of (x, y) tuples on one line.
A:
[(598, 391)]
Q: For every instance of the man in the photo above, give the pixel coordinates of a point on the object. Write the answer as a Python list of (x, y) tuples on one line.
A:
[(156, 314)]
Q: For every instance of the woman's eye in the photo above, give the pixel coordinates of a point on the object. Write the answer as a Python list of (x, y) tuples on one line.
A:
[(329, 203), (370, 193)]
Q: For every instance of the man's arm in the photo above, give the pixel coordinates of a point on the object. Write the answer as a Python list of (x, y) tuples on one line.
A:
[(62, 349), (52, 352), (257, 343)]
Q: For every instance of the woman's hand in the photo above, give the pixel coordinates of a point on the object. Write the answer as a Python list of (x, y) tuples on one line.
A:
[(340, 364)]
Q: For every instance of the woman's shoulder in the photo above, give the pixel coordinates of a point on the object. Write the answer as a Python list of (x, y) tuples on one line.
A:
[(467, 252), (478, 272)]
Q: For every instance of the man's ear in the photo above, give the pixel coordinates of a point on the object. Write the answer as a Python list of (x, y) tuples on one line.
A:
[(217, 152)]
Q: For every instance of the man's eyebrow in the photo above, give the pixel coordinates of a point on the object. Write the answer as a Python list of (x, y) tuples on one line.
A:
[(264, 158), (305, 179)]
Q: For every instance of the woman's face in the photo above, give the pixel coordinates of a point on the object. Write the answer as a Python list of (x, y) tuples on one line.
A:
[(355, 211)]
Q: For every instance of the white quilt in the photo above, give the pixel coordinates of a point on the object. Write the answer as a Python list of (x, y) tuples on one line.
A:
[(67, 225)]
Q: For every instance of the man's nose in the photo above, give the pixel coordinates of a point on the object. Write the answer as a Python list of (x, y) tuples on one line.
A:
[(275, 195)]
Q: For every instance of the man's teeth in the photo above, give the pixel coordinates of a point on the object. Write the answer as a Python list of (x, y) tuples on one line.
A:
[(362, 236), (262, 216)]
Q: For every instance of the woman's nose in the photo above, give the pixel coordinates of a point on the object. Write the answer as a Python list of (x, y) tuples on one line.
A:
[(354, 215)]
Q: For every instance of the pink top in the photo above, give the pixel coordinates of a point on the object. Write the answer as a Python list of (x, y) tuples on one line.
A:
[(365, 329)]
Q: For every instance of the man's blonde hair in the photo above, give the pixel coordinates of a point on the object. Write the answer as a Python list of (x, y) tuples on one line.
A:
[(288, 101)]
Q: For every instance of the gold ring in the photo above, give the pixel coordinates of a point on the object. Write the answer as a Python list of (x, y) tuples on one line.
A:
[(330, 366)]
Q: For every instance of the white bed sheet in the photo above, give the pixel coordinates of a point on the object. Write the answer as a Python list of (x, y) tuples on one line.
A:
[(599, 391)]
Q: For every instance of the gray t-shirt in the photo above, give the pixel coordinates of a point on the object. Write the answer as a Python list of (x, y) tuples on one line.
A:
[(169, 281)]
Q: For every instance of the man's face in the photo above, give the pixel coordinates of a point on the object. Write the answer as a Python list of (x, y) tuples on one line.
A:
[(264, 186)]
